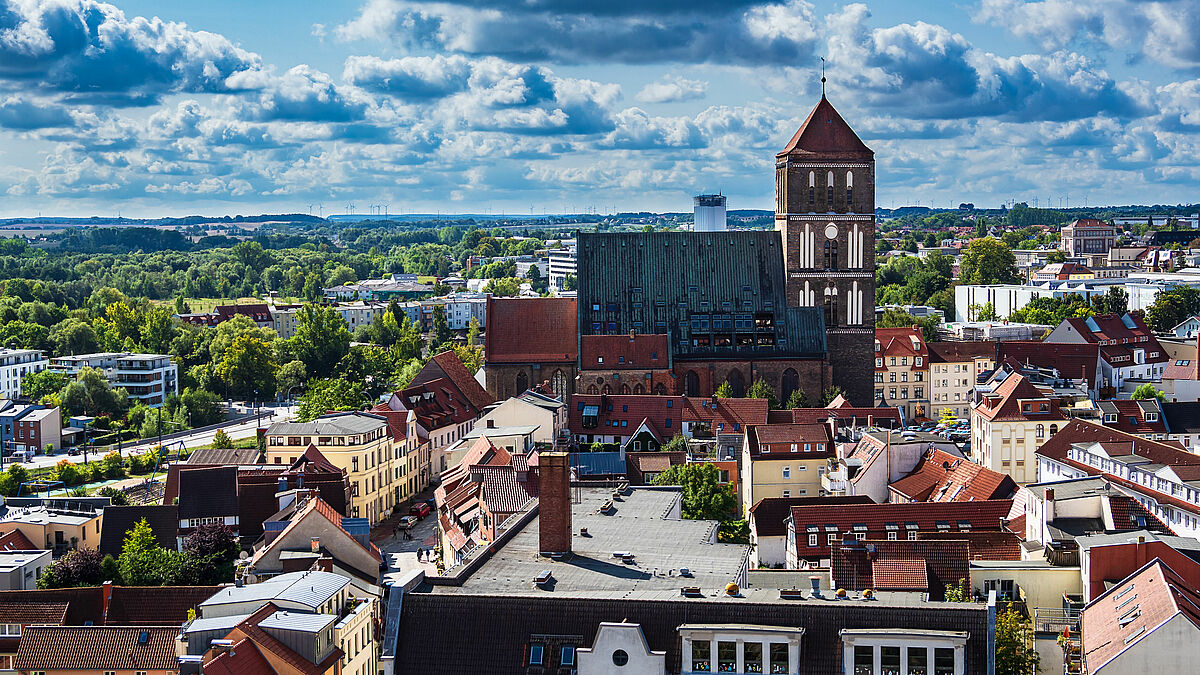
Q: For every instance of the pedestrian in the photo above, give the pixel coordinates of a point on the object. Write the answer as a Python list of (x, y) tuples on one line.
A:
[(420, 553)]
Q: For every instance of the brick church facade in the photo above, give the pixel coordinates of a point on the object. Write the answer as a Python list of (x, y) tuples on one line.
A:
[(680, 313), (825, 212)]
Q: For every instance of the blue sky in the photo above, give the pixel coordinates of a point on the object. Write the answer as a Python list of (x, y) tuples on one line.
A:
[(169, 108)]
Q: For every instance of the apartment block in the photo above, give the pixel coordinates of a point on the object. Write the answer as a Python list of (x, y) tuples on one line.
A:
[(149, 378)]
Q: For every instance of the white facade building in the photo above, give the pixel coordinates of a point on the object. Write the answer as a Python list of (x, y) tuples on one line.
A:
[(709, 215), (563, 263), (15, 364), (149, 378)]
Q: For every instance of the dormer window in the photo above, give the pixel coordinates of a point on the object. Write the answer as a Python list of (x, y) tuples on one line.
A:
[(1151, 417)]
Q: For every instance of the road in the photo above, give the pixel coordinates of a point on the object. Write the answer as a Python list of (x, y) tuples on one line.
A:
[(235, 431)]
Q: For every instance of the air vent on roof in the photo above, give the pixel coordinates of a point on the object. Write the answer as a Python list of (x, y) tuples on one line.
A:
[(606, 507), (543, 578), (691, 592), (791, 594)]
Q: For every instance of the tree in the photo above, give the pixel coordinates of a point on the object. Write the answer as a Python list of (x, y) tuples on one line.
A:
[(441, 330), (898, 318), (724, 391), (988, 261), (157, 330), (90, 394), (503, 287), (408, 344), (43, 383), (248, 368), (1148, 391), (321, 339), (797, 399), (324, 395), (229, 331), (473, 329), (570, 282), (222, 441), (704, 498), (73, 336), (1115, 301), (830, 394), (208, 555), (1171, 307), (761, 389), (984, 312), (1015, 652), (678, 443), (79, 567), (202, 407), (142, 562), (116, 497), (290, 377), (11, 480)]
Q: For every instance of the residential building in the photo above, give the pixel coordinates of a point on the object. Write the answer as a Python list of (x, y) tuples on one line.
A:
[(546, 415), (1128, 348), (1057, 514), (641, 468), (20, 568), (29, 427), (1008, 426), (562, 263), (784, 460), (1149, 622), (870, 460), (768, 518), (163, 521), (308, 533), (1105, 559), (1188, 328), (1158, 475), (943, 477), (56, 524), (361, 443), (1075, 364), (902, 370), (488, 486), (841, 415), (1086, 236), (17, 363), (815, 531), (1142, 417), (954, 368), (442, 402), (1066, 271), (148, 378), (259, 313), (1183, 424), (625, 364), (113, 650), (913, 565), (529, 341), (207, 496), (646, 422)]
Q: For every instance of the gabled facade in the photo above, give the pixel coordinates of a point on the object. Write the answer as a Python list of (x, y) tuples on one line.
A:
[(529, 341), (784, 460), (1010, 424), (1128, 348), (954, 368), (902, 370)]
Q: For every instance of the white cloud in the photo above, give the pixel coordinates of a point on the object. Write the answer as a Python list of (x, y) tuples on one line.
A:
[(673, 90)]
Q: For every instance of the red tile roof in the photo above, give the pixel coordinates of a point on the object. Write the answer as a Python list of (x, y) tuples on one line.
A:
[(770, 514), (942, 477), (910, 575), (983, 545), (397, 420), (14, 540), (622, 352), (444, 407), (776, 441), (1131, 418), (825, 133), (242, 659), (902, 565), (531, 330), (1073, 361), (1181, 369), (503, 489), (1110, 626), (879, 519), (1005, 404), (33, 612), (1120, 338), (637, 464), (725, 415), (846, 416), (955, 352), (1129, 514), (97, 648), (900, 342)]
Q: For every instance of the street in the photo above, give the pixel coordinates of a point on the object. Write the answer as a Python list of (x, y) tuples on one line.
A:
[(236, 431)]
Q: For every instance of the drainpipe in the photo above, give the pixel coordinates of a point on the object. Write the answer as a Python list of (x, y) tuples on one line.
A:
[(991, 632)]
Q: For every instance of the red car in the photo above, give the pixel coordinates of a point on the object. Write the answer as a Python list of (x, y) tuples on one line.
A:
[(420, 510)]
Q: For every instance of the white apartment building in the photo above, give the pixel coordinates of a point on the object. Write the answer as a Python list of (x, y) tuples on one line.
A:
[(15, 364), (954, 368), (563, 262), (148, 378)]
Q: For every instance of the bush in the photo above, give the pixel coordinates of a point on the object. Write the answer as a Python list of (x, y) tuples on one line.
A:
[(116, 497), (222, 440), (112, 463), (68, 473)]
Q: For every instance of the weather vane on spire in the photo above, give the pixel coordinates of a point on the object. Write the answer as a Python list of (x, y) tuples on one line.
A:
[(822, 77)]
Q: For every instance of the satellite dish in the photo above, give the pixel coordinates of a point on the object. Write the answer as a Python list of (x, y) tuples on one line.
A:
[(243, 555)]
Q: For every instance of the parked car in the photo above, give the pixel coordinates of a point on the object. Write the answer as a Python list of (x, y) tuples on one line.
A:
[(22, 455), (431, 502), (408, 521), (420, 510)]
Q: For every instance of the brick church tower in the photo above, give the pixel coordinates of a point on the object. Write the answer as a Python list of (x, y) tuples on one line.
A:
[(825, 210)]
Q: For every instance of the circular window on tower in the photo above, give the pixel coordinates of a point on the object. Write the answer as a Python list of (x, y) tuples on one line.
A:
[(831, 231), (620, 658)]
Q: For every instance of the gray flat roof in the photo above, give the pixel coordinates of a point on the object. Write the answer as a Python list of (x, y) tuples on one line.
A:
[(1092, 486), (215, 623), (331, 425), (637, 525), (307, 623), (520, 430), (311, 588), (1178, 543)]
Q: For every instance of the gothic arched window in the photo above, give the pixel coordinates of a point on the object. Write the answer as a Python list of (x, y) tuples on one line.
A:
[(736, 383), (789, 383), (849, 191), (558, 383), (522, 383), (829, 191), (691, 384), (812, 189)]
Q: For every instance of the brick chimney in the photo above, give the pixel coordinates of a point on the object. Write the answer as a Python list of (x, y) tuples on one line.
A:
[(554, 503), (1049, 505), (105, 598)]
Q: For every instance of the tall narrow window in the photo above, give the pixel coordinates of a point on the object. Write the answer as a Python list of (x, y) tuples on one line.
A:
[(828, 260), (829, 191), (849, 191), (812, 189), (830, 310), (833, 255)]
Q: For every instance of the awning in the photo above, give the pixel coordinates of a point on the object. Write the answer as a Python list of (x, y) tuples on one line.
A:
[(831, 528), (891, 526)]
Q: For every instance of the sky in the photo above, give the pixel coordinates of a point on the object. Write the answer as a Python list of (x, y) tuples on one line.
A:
[(170, 108)]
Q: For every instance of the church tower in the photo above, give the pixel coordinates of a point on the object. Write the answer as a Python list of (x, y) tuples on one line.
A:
[(825, 211)]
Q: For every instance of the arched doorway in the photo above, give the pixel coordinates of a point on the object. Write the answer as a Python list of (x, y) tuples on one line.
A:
[(624, 389), (736, 383), (522, 383), (788, 384), (691, 384), (639, 389), (660, 389)]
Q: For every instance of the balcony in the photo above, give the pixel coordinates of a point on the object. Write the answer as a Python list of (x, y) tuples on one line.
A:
[(833, 483)]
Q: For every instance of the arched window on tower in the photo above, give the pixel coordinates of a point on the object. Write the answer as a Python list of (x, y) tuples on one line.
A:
[(558, 383), (828, 250), (833, 255), (812, 189), (830, 310), (849, 191), (829, 192)]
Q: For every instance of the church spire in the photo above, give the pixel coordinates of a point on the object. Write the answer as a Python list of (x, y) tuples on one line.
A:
[(822, 77)]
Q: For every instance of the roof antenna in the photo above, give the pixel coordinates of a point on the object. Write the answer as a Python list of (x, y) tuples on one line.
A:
[(822, 77)]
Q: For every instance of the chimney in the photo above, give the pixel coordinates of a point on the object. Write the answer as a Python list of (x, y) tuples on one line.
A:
[(554, 499), (1049, 505), (105, 598), (491, 424), (1141, 552), (316, 544)]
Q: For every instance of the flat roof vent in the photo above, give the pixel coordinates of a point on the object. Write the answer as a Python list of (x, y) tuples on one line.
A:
[(691, 592)]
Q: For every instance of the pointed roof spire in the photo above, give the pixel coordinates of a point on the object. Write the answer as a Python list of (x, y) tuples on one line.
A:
[(825, 135), (822, 78)]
